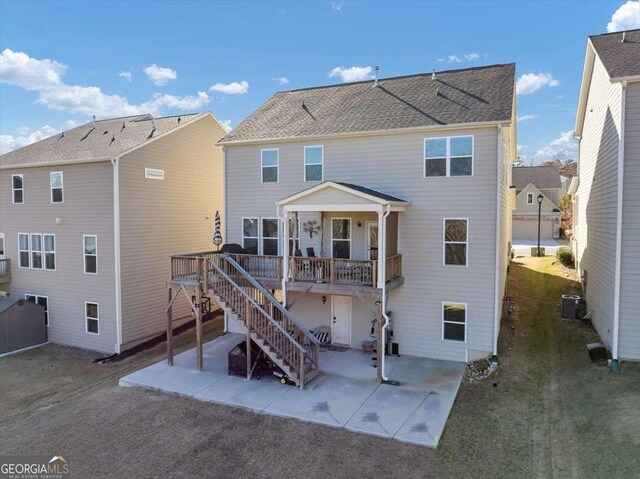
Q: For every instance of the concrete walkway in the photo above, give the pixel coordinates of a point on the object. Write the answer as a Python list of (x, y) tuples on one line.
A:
[(522, 247), (344, 395)]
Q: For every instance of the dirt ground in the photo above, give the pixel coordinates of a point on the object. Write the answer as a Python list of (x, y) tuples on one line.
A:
[(546, 412)]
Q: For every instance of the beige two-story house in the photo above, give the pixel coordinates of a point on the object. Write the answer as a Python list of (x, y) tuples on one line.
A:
[(606, 193), (89, 216)]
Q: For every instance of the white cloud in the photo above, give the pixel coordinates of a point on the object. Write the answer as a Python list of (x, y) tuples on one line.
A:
[(233, 88), (532, 82), (564, 147), (10, 142), (454, 58), (158, 102), (526, 116), (227, 125), (627, 17), (337, 6), (351, 74), (18, 68), (69, 124), (160, 75), (472, 56), (126, 75), (281, 80)]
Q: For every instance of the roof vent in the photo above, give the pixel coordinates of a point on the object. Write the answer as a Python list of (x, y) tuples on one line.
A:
[(179, 119), (376, 69), (624, 37), (123, 126), (433, 74), (93, 122), (153, 125)]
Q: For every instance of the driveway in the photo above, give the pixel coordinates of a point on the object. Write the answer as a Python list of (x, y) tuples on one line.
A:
[(522, 247)]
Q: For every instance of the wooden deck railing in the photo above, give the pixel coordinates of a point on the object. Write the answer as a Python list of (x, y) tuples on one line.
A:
[(5, 270)]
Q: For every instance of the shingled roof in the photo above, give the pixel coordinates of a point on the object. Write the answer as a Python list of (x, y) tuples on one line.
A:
[(542, 177), (621, 59), (109, 138), (471, 95)]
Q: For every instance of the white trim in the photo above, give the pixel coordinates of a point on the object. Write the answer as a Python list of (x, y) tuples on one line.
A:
[(343, 208), (444, 243), (442, 322), (87, 317), (51, 187), (257, 237), (45, 252), (154, 174), (304, 164), (54, 163), (47, 312), (28, 250), (40, 251), (333, 297), (84, 254), (448, 157), (341, 239), (13, 190), (346, 189), (277, 166), (115, 162)]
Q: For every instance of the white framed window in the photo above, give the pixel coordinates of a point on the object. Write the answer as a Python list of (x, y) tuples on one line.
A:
[(455, 241), (43, 300), (49, 241), (36, 251), (341, 237), (270, 236), (57, 185), (313, 163), (17, 189), (269, 161), (454, 322), (24, 255), (250, 235), (90, 253), (448, 156), (529, 198), (92, 317), (294, 236)]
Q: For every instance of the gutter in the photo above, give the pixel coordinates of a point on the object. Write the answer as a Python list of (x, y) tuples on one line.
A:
[(115, 162), (496, 305), (615, 365), (55, 163)]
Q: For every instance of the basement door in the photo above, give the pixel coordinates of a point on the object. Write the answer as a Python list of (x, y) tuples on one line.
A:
[(341, 320)]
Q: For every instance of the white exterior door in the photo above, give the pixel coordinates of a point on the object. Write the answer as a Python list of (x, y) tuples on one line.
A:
[(372, 240), (341, 320)]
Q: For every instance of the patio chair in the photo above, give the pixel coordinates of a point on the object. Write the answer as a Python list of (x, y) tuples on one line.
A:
[(311, 253), (323, 335)]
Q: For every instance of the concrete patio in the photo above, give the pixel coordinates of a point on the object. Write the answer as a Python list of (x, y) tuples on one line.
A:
[(522, 247), (344, 395)]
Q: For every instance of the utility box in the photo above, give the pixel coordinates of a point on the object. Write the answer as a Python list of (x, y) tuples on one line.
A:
[(570, 306)]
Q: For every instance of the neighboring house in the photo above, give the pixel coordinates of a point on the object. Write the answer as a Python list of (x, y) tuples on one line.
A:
[(530, 182), (395, 196), (88, 218), (606, 193)]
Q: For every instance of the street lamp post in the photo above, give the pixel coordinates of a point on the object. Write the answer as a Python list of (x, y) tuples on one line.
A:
[(540, 198)]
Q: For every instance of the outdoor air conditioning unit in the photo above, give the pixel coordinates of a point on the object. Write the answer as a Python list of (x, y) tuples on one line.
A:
[(570, 306)]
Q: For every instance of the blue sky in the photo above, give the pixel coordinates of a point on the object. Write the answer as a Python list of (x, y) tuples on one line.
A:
[(63, 61)]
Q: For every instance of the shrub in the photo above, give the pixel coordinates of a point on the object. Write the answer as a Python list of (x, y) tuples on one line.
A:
[(565, 256)]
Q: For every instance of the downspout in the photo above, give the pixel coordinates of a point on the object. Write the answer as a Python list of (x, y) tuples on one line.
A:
[(283, 219), (115, 162), (615, 365), (496, 305), (225, 328), (383, 275)]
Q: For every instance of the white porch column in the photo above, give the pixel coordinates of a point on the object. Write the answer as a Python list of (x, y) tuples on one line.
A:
[(285, 258), (382, 254)]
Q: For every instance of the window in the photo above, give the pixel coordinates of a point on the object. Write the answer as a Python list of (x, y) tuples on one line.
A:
[(23, 251), (91, 317), (250, 235), (90, 245), (294, 235), (454, 321), (313, 163), (56, 180), (49, 252), (36, 251), (17, 185), (341, 237), (529, 198), (452, 156), (270, 236), (269, 162), (455, 242), (44, 301)]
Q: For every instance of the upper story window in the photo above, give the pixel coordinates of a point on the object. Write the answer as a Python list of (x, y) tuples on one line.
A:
[(49, 252), (56, 180), (529, 198), (17, 185), (450, 156), (37, 251), (269, 163), (313, 163), (24, 260), (455, 242), (90, 247)]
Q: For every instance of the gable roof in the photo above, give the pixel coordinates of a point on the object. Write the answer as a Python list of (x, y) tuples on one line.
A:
[(471, 95), (620, 59), (108, 139), (374, 193), (363, 192), (542, 177), (537, 192)]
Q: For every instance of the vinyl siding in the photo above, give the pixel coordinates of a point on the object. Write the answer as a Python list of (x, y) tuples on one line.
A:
[(597, 198), (87, 210), (159, 218), (505, 214), (629, 345), (394, 164)]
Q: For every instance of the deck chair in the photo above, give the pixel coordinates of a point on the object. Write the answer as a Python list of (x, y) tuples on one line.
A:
[(311, 252), (323, 335)]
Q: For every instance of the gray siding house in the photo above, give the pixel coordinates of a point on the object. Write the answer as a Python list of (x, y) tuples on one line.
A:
[(606, 194), (530, 182), (89, 216), (381, 202)]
